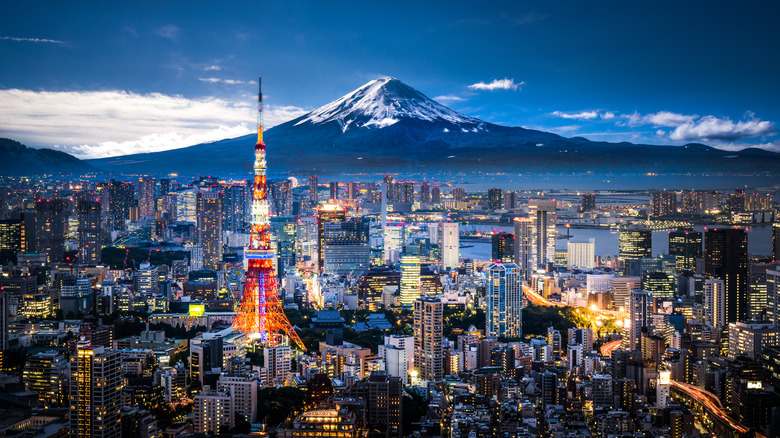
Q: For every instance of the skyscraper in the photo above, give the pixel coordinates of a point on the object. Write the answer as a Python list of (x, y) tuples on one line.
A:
[(410, 280), (495, 199), (588, 202), (436, 195), (16, 235), (95, 383), (664, 203), (313, 185), (146, 199), (449, 244), (715, 302), (773, 296), (543, 228), (503, 247), (280, 197), (352, 190), (504, 300), (428, 335), (210, 228), (634, 244), (50, 217), (327, 213), (120, 201), (425, 193), (640, 310), (581, 254), (334, 190), (523, 246), (345, 247), (776, 242), (686, 247), (234, 209), (725, 257), (89, 230)]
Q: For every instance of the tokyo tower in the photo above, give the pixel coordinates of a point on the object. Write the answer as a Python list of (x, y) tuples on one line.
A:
[(260, 313)]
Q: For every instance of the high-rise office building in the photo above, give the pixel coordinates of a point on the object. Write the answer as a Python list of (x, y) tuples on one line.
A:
[(345, 247), (504, 296), (511, 201), (776, 242), (326, 214), (640, 311), (410, 280), (95, 384), (89, 231), (715, 302), (459, 194), (523, 245), (406, 192), (757, 290), (725, 257), (120, 202), (436, 195), (16, 235), (773, 296), (621, 289), (503, 245), (634, 244), (425, 193), (50, 219), (278, 362), (664, 203), (334, 190), (428, 337), (352, 190), (494, 199), (147, 205), (210, 228), (588, 202), (686, 247), (213, 410), (45, 373), (449, 244), (243, 390), (235, 209), (660, 284), (285, 228), (280, 197), (581, 254), (313, 186), (543, 228)]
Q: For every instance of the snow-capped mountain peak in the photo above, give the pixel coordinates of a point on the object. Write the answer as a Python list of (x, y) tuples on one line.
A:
[(383, 102)]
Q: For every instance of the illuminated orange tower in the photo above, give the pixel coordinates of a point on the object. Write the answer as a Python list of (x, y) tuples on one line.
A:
[(260, 313)]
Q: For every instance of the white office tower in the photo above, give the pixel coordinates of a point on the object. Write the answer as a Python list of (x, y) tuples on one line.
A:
[(196, 256), (581, 254), (405, 342), (621, 289), (278, 362), (243, 390), (599, 284), (213, 409), (504, 300), (640, 309), (662, 389), (543, 216), (715, 302), (397, 363), (449, 244), (574, 356), (410, 280), (393, 241), (524, 246)]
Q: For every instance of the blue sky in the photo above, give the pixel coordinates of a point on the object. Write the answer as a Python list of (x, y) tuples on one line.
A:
[(107, 78)]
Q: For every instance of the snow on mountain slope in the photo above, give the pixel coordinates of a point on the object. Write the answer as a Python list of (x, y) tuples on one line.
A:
[(382, 103)]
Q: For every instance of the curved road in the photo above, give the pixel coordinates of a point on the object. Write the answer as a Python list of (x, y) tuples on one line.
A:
[(710, 402), (608, 347)]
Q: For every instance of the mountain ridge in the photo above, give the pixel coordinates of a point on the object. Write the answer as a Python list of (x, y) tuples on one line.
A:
[(19, 159), (386, 125)]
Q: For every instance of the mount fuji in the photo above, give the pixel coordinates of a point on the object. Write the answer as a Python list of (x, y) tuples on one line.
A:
[(388, 126)]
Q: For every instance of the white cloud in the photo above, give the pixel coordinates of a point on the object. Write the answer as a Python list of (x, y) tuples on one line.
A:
[(225, 81), (498, 84), (584, 115), (169, 31), (710, 128), (31, 40), (212, 68), (95, 124), (449, 98), (662, 118)]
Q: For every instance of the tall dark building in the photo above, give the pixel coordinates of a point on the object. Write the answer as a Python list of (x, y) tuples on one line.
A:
[(459, 194), (16, 235), (313, 197), (776, 242), (503, 247), (209, 208), (120, 203), (383, 396), (725, 258), (436, 195), (165, 186), (425, 193), (588, 201), (50, 217), (633, 245), (334, 190), (664, 203), (406, 192), (328, 213), (89, 230), (95, 392), (495, 199), (736, 201), (280, 197), (686, 247), (234, 209)]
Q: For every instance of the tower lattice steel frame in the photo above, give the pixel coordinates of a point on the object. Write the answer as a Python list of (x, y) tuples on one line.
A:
[(260, 311)]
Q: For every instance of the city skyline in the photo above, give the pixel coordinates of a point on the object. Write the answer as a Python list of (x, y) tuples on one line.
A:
[(163, 77)]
